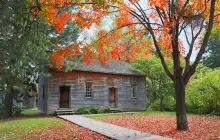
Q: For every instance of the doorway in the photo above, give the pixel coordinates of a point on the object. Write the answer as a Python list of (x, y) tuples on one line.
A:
[(113, 100), (64, 97)]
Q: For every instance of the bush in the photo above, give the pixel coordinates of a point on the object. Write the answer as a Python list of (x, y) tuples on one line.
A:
[(202, 94), (95, 110), (106, 110), (155, 106), (92, 110), (82, 110), (168, 104), (16, 111)]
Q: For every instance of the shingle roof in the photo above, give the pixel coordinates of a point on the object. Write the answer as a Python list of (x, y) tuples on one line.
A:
[(112, 67)]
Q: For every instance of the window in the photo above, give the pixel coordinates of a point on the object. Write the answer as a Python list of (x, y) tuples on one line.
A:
[(133, 90), (88, 90)]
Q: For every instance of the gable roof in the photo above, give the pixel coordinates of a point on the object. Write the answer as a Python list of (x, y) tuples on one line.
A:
[(111, 67)]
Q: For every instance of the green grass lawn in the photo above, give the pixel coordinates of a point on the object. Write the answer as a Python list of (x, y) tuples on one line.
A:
[(30, 111), (17, 128), (44, 128)]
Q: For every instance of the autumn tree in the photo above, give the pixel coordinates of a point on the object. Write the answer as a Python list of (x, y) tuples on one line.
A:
[(163, 22)]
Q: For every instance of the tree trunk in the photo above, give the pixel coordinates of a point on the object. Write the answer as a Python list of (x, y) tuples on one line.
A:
[(181, 119), (161, 105), (8, 105)]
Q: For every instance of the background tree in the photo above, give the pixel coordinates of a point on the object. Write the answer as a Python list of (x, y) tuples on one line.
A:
[(23, 45), (159, 84), (24, 42), (163, 21), (202, 94), (212, 56)]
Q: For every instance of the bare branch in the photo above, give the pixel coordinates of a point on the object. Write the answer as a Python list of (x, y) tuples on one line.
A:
[(191, 70)]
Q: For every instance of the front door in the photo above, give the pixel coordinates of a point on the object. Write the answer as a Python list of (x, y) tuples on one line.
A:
[(113, 97), (64, 97)]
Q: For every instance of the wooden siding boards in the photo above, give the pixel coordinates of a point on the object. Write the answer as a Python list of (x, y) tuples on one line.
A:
[(43, 94), (100, 83)]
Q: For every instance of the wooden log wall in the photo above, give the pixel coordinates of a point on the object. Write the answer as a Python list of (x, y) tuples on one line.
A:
[(100, 90)]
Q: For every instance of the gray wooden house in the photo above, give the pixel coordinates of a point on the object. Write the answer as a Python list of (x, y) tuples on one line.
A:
[(116, 85)]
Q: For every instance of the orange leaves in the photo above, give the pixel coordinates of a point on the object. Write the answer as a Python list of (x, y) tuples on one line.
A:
[(86, 19), (59, 56), (124, 18), (65, 16), (59, 22), (123, 21), (114, 53), (49, 11), (163, 4), (61, 3), (134, 1), (88, 55)]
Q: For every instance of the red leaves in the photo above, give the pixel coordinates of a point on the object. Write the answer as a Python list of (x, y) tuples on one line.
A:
[(59, 56), (59, 22), (200, 127), (86, 19)]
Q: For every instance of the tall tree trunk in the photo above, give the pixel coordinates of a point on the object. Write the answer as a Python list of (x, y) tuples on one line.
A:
[(181, 119), (161, 104), (8, 105)]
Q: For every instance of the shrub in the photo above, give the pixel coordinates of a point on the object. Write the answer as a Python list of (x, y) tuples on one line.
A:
[(168, 104), (16, 111), (82, 110), (202, 94), (106, 110), (155, 106), (95, 110)]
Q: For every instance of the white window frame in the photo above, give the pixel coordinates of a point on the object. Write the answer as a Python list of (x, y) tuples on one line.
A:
[(133, 91), (88, 92)]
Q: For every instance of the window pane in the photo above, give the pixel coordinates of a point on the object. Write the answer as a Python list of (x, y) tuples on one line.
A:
[(133, 91), (88, 90)]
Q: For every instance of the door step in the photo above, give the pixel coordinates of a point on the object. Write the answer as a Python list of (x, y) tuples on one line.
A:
[(64, 112), (115, 110)]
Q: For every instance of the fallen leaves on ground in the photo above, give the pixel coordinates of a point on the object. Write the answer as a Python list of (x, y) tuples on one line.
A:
[(200, 127)]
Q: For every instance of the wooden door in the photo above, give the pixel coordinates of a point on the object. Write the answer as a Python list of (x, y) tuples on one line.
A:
[(113, 97), (64, 97)]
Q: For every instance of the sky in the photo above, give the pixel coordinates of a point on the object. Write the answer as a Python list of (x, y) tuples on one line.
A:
[(87, 35)]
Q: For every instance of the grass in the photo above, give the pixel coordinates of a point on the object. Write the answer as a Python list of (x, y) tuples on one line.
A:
[(30, 111), (32, 125), (18, 128)]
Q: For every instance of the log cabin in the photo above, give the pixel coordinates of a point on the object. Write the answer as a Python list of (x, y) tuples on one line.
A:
[(115, 84)]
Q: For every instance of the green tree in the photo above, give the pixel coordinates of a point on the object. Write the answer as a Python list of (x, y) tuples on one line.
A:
[(159, 84), (203, 92), (23, 45), (24, 42), (212, 57)]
